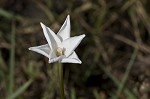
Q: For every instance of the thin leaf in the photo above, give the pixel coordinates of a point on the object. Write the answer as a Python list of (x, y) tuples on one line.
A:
[(20, 90)]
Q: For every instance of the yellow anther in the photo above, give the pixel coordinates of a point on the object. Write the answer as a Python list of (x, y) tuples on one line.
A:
[(59, 51)]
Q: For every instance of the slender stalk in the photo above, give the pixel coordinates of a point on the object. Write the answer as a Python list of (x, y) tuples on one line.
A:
[(61, 84), (12, 60)]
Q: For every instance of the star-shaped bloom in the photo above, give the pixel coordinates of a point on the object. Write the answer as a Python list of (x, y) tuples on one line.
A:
[(60, 47)]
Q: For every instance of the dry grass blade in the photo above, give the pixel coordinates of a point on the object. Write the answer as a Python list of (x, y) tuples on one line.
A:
[(143, 15), (135, 45)]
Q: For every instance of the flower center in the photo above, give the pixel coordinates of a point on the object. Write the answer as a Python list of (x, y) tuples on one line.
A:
[(59, 51)]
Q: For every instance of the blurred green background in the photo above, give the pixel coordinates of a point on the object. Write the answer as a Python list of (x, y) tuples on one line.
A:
[(115, 53)]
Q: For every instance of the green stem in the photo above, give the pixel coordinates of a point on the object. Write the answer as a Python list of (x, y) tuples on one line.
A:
[(61, 84), (12, 60)]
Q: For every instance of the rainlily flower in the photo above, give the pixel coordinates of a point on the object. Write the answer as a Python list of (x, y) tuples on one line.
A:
[(60, 47)]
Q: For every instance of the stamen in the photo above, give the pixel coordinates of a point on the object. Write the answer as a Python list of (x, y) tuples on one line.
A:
[(59, 51)]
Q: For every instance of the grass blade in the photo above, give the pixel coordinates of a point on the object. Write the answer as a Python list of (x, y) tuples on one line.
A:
[(129, 94), (20, 90), (129, 67), (12, 62)]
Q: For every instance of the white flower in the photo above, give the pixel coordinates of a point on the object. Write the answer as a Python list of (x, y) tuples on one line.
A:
[(60, 47)]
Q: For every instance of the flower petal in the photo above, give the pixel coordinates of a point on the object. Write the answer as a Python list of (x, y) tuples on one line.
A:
[(73, 58), (52, 60), (64, 32), (43, 49), (51, 37), (71, 44)]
